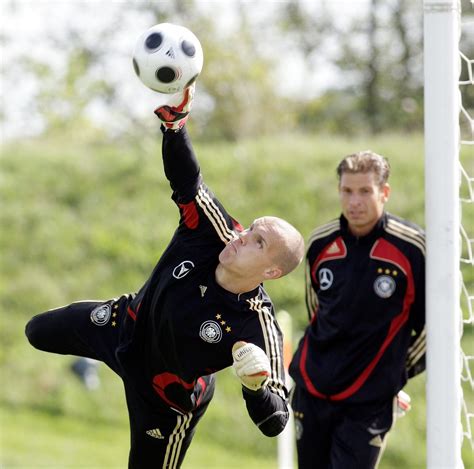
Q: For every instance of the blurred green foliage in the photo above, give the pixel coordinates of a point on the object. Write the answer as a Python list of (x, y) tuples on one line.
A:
[(292, 65), (85, 219)]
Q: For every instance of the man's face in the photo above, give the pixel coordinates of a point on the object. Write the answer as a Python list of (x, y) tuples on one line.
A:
[(362, 200), (252, 253)]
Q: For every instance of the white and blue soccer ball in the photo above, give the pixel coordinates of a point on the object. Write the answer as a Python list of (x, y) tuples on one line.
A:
[(168, 58)]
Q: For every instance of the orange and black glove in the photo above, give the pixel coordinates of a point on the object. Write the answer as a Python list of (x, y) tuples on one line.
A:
[(174, 117)]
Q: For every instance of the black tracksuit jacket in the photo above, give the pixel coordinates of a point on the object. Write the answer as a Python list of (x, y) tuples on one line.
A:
[(366, 301), (182, 325)]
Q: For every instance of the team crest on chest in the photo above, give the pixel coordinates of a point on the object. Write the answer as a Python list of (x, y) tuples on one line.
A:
[(384, 286), (100, 316), (210, 331)]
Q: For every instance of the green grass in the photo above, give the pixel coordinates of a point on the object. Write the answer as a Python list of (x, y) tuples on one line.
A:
[(38, 439), (82, 220)]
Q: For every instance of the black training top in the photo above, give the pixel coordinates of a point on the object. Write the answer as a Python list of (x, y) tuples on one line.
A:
[(182, 325), (366, 301)]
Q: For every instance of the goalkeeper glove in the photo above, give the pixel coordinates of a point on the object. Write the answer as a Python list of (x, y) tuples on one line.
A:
[(251, 365), (174, 117)]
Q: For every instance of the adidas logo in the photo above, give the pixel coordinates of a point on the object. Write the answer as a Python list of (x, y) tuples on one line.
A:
[(170, 53), (334, 248), (376, 441), (155, 433)]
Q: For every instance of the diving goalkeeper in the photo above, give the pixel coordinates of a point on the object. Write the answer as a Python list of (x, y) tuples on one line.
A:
[(202, 309)]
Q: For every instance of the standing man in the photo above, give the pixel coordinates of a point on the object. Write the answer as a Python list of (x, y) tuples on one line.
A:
[(365, 296), (202, 309)]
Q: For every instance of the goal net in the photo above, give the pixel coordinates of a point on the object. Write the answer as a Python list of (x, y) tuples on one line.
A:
[(466, 86)]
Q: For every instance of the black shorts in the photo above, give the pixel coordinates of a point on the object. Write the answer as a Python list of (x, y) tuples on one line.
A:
[(160, 436), (338, 435)]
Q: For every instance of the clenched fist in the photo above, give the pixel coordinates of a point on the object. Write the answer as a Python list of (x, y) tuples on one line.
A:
[(251, 365)]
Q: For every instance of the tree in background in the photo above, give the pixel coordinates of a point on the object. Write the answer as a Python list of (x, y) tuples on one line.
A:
[(235, 88), (371, 61), (378, 54)]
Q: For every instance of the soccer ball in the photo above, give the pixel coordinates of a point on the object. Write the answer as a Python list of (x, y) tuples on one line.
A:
[(167, 58)]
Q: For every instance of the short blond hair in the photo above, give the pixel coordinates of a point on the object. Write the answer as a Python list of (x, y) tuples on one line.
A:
[(365, 161)]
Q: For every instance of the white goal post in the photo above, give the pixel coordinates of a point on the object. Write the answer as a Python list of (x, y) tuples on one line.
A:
[(442, 217)]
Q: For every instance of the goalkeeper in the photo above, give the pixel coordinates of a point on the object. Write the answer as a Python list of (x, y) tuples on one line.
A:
[(202, 309), (365, 295)]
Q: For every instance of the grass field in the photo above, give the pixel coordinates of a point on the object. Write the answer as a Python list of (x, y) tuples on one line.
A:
[(88, 220)]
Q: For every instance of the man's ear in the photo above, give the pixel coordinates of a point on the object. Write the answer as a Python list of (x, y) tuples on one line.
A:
[(385, 192), (272, 273)]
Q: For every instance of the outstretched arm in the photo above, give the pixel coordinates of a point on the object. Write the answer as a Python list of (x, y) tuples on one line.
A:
[(179, 160), (198, 206), (180, 164)]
